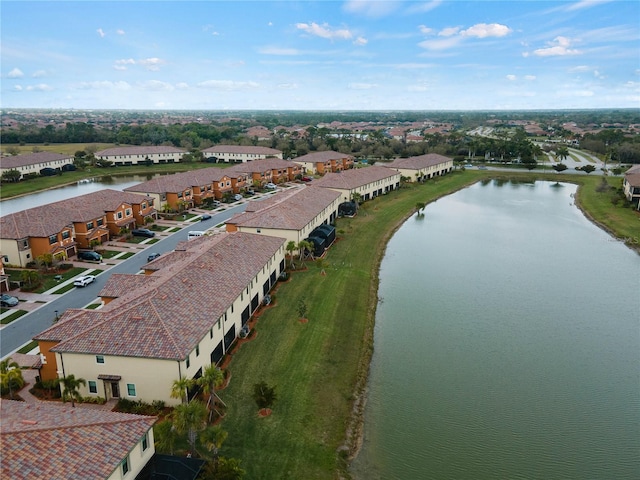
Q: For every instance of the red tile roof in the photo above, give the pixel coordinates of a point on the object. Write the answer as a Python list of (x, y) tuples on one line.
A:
[(240, 149), (354, 178), (32, 159), (289, 210), (322, 156), (48, 441), (139, 150), (416, 163), (168, 318)]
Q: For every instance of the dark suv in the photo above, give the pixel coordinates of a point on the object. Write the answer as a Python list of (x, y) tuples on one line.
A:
[(143, 232), (90, 256)]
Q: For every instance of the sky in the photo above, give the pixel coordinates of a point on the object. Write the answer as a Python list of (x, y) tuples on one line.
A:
[(320, 55)]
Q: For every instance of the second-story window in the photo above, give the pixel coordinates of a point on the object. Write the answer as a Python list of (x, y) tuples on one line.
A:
[(119, 215), (53, 239), (89, 225), (128, 212), (99, 222)]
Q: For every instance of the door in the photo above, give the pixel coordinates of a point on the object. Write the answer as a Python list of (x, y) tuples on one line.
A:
[(115, 390)]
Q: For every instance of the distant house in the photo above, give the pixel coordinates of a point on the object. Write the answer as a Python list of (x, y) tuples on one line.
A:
[(167, 325), (33, 163), (292, 214), (363, 183), (141, 155), (631, 185), (239, 153), (53, 440), (325, 162), (267, 170), (422, 167)]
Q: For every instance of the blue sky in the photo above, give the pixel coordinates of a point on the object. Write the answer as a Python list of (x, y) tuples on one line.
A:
[(320, 55)]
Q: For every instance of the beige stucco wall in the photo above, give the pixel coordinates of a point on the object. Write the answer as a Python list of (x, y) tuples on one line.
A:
[(14, 256), (137, 459)]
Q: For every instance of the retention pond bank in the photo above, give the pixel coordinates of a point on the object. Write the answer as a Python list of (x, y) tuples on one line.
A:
[(506, 343)]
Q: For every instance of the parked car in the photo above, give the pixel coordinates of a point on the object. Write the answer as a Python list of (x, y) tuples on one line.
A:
[(270, 186), (84, 280), (152, 256), (306, 179), (89, 256), (8, 300), (48, 172), (237, 197), (143, 232), (216, 203), (204, 217), (482, 167)]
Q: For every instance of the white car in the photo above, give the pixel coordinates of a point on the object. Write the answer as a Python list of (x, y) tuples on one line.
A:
[(84, 280), (270, 186)]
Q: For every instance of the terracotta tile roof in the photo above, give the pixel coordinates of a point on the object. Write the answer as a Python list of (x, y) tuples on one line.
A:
[(355, 178), (322, 156), (32, 159), (416, 163), (57, 441), (290, 210), (179, 182), (25, 360), (139, 150), (120, 284), (240, 149), (263, 165), (633, 178), (50, 219), (168, 318)]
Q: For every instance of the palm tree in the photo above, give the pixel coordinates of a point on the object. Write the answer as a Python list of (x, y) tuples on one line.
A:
[(180, 387), (10, 376), (165, 436), (70, 388), (212, 439), (562, 153), (211, 378), (291, 246), (189, 419), (304, 245)]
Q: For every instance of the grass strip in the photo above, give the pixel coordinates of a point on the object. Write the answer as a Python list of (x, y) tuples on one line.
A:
[(14, 316)]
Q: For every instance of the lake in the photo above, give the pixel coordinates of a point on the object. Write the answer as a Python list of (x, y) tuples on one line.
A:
[(507, 343)]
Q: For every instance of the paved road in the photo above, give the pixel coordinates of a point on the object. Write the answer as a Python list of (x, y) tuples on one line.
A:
[(21, 331)]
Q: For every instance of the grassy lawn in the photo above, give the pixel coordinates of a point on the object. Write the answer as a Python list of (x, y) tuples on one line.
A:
[(48, 279), (319, 367), (28, 347), (10, 318), (106, 254)]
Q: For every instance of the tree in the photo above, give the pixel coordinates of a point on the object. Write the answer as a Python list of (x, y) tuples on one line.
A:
[(71, 388), (562, 153), (189, 419), (264, 395), (10, 376), (420, 206), (11, 176), (211, 378), (303, 247), (180, 389), (588, 168), (302, 308), (223, 469), (212, 438), (165, 436), (30, 277), (291, 247), (559, 167)]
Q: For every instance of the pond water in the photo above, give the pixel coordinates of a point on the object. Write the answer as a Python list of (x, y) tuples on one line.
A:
[(116, 182), (507, 343)]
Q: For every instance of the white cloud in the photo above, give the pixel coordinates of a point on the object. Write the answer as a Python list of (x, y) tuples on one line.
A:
[(152, 64), (324, 31), (101, 33), (15, 73), (423, 7), (39, 74), (120, 31), (448, 32), (182, 86), (530, 77), (370, 8), (122, 64), (288, 86), (102, 85), (228, 85), (41, 87), (361, 86), (585, 4), (417, 88), (278, 51), (360, 41), (558, 47), (425, 30), (511, 77), (484, 30), (17, 88), (440, 44), (156, 85)]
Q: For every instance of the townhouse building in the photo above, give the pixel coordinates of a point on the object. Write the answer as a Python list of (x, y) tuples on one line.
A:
[(33, 163), (62, 227), (54, 440), (141, 155), (167, 325), (239, 153), (195, 187), (631, 185), (361, 183), (422, 167), (292, 214), (275, 170), (325, 162)]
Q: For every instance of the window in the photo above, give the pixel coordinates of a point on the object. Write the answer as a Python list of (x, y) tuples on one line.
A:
[(119, 215), (100, 222), (188, 361), (89, 225), (125, 466), (93, 387), (99, 358), (197, 350), (131, 389), (128, 212), (53, 239), (145, 441), (66, 234)]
